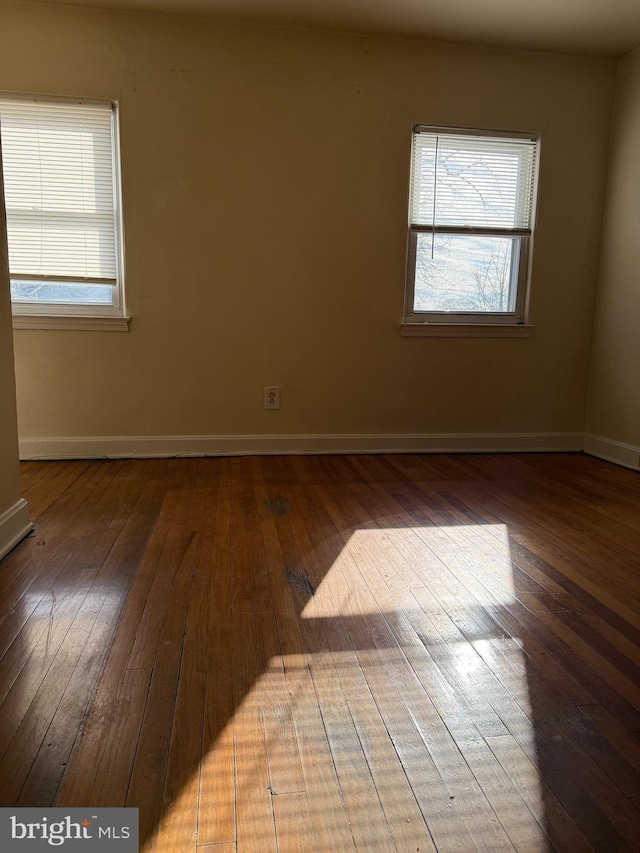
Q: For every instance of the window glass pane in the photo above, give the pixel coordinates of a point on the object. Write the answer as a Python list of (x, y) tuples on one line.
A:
[(464, 273), (61, 292)]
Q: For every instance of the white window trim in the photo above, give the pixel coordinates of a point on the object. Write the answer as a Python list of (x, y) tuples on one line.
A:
[(71, 323), (466, 330), (74, 316), (472, 324)]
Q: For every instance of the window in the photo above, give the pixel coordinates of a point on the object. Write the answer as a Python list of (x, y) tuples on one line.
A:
[(61, 184), (470, 226)]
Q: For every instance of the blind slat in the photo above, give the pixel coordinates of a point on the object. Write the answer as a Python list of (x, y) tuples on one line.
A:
[(469, 181), (59, 188)]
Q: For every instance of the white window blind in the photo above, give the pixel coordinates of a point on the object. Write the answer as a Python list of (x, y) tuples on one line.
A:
[(59, 189), (466, 181)]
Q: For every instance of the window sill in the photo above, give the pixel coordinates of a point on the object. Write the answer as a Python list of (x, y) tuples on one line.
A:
[(71, 323), (465, 330)]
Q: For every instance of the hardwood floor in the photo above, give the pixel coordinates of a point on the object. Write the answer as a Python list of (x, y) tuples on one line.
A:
[(410, 653)]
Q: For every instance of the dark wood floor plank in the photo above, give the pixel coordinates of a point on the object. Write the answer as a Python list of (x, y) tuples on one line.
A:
[(177, 827), (150, 765), (38, 653), (48, 548), (141, 542), (91, 650), (44, 775), (216, 812)]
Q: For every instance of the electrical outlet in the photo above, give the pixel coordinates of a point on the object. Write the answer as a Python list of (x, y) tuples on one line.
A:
[(272, 396)]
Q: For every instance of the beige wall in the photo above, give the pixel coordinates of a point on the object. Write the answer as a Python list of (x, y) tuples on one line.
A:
[(614, 397), (265, 181), (9, 471)]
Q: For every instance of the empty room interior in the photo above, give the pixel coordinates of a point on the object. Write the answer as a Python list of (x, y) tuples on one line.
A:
[(320, 424)]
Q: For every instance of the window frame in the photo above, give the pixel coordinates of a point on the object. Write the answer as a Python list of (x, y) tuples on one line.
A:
[(524, 237), (81, 315)]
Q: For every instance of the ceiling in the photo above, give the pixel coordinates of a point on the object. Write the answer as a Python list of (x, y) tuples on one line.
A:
[(597, 27)]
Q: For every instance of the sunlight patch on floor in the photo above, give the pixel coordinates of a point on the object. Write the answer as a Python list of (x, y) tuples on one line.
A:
[(408, 681)]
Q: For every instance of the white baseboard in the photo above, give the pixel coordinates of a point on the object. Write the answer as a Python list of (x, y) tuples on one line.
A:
[(613, 451), (241, 445), (14, 526)]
